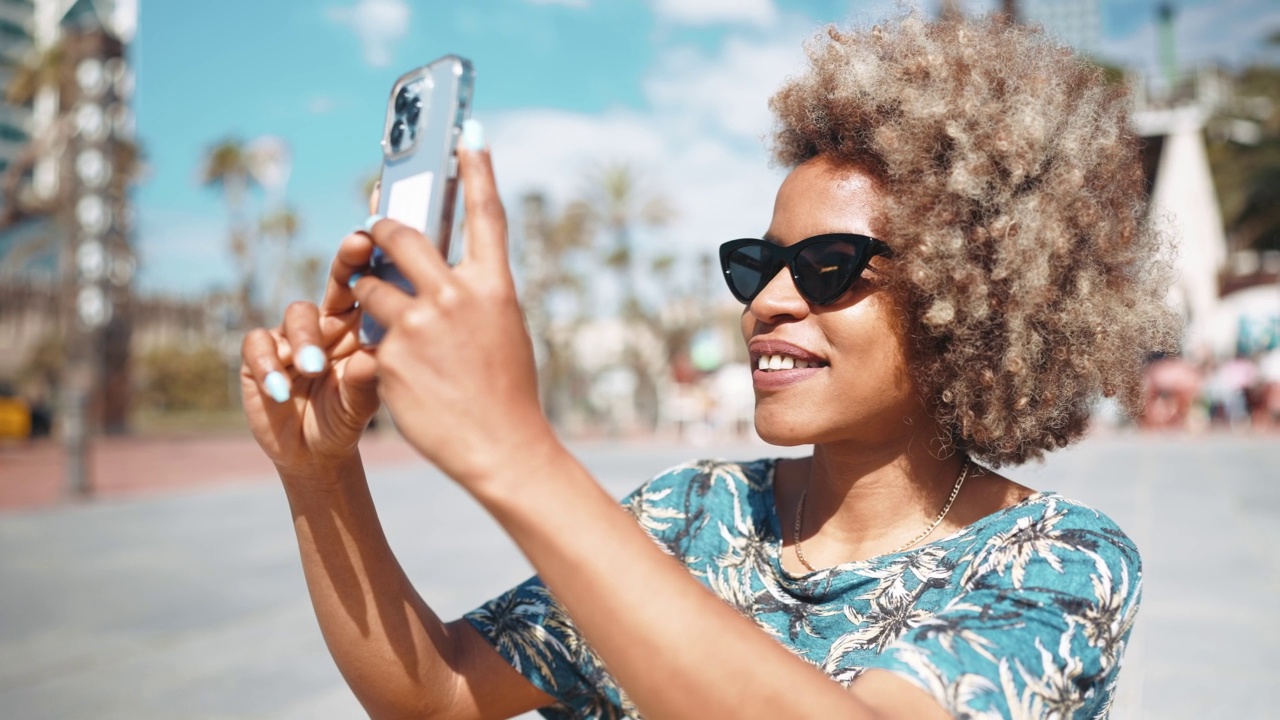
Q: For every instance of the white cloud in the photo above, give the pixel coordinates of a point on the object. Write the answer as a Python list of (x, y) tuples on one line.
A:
[(710, 12), (701, 143), (728, 93), (379, 24), (321, 104)]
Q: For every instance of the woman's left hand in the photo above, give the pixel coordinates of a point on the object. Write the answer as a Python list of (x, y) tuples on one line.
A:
[(456, 365)]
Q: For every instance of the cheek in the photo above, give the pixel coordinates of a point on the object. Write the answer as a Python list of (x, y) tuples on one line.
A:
[(872, 370)]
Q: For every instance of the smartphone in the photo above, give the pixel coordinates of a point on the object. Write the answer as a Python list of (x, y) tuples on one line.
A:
[(419, 162)]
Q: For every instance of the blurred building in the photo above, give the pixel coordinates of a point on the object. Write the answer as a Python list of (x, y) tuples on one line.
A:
[(65, 210), (1223, 291), (17, 40)]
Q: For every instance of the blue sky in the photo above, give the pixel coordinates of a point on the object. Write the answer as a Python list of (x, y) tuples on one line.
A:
[(676, 88)]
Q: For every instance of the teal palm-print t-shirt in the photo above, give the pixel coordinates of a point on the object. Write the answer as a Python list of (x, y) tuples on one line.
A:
[(1023, 614)]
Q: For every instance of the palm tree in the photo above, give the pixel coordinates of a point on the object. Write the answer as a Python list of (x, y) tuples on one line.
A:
[(549, 245), (227, 167), (283, 226), (619, 205), (47, 70)]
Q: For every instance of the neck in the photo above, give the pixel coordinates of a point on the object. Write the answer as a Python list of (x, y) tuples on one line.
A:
[(868, 502)]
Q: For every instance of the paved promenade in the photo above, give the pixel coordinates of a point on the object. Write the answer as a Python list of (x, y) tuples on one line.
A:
[(190, 603)]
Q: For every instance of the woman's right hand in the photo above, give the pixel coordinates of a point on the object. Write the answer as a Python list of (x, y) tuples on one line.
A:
[(309, 387)]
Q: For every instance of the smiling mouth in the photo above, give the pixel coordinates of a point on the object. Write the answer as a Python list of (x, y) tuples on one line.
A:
[(774, 363)]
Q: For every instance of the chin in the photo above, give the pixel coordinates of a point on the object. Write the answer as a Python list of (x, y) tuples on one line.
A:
[(778, 429)]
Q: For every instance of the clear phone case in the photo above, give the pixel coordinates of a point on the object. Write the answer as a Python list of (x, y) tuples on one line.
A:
[(419, 162)]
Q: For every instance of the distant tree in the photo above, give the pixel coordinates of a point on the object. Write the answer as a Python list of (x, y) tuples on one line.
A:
[(39, 71), (551, 287), (1247, 174), (228, 169), (619, 205), (283, 226), (172, 379)]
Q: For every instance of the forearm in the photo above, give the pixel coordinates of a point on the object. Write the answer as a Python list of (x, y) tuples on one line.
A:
[(390, 647), (677, 650)]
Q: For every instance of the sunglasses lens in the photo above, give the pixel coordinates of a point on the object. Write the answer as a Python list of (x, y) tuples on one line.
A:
[(825, 270), (748, 270)]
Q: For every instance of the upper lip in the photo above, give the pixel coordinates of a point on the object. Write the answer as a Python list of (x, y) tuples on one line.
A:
[(762, 347)]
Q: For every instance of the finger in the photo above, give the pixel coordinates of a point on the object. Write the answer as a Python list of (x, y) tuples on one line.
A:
[(383, 301), (374, 197), (351, 259), (302, 328), (486, 218), (414, 256), (260, 356)]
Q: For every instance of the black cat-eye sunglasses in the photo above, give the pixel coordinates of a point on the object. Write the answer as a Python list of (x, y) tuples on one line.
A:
[(823, 267)]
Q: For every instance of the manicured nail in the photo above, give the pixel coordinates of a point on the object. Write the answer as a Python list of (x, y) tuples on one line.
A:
[(277, 386), (310, 359), (473, 134), (355, 277), (373, 220)]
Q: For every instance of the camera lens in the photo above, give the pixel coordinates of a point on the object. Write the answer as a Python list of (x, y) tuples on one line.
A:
[(397, 134), (415, 109), (402, 100)]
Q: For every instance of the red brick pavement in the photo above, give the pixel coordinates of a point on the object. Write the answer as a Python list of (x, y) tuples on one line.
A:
[(33, 475)]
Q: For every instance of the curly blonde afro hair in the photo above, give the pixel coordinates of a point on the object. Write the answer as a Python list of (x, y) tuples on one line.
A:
[(1015, 203)]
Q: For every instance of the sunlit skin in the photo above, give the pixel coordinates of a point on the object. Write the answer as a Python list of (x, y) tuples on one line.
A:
[(877, 476), (872, 483)]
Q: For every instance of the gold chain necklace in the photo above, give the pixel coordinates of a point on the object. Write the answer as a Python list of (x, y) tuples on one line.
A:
[(964, 472)]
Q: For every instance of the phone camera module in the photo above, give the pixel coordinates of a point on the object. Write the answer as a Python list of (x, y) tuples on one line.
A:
[(397, 134), (402, 101), (412, 113)]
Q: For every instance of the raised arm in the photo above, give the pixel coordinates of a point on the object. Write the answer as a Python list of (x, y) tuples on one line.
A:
[(309, 390), (458, 373)]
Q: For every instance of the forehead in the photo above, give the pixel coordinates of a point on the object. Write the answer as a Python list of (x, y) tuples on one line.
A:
[(820, 196)]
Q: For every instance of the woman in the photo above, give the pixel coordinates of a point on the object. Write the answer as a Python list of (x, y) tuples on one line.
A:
[(956, 268)]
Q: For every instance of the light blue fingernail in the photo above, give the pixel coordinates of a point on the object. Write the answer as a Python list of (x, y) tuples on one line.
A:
[(277, 386), (373, 220), (310, 359), (473, 134), (355, 277)]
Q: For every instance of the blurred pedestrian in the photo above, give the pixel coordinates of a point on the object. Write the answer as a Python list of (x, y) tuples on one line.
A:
[(956, 268), (1267, 415), (1172, 387)]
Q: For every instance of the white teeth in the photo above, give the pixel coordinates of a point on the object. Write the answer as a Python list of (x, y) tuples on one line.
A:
[(783, 362)]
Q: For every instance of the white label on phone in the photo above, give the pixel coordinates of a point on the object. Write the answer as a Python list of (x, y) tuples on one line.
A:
[(408, 200)]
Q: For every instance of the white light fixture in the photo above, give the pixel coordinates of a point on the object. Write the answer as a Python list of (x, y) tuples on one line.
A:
[(93, 214), (123, 120), (122, 269), (90, 78), (93, 307), (92, 168), (91, 258), (90, 122)]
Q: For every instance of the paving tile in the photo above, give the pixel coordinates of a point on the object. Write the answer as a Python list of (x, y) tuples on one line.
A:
[(192, 604)]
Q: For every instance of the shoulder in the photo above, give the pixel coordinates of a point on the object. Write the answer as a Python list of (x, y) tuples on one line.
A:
[(687, 494), (1049, 538)]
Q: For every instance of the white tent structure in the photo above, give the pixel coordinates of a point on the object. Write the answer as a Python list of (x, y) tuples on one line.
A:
[(1185, 205)]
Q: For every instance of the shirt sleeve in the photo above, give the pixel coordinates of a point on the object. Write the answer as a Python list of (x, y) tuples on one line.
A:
[(1039, 627), (532, 631)]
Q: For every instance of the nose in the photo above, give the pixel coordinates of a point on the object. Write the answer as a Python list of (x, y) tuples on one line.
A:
[(779, 301)]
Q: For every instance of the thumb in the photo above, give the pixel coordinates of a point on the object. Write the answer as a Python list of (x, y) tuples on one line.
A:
[(359, 383)]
